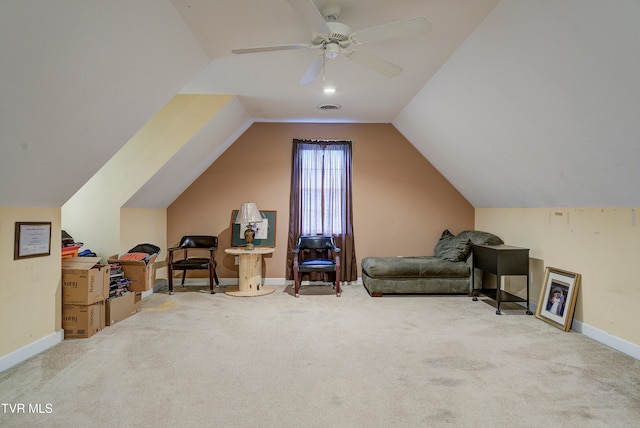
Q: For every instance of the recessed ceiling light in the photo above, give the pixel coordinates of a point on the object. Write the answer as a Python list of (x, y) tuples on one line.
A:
[(329, 90)]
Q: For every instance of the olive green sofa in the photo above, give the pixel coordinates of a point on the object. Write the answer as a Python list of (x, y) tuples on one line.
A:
[(448, 271)]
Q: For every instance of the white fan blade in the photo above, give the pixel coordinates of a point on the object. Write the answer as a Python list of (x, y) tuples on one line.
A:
[(407, 27), (310, 15), (312, 72), (372, 62), (270, 48)]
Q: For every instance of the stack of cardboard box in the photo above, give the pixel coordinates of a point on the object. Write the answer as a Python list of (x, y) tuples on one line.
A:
[(140, 273), (87, 304), (139, 276), (85, 287)]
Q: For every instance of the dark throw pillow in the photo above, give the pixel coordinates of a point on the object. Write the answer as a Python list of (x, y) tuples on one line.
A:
[(451, 248), (479, 237), (444, 241)]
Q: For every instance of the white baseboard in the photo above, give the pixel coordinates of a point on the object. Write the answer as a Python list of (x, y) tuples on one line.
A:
[(608, 339), (205, 282), (601, 336), (28, 351), (162, 283), (159, 285)]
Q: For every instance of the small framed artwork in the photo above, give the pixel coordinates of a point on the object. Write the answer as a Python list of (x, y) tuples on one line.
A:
[(32, 239), (265, 230), (557, 300)]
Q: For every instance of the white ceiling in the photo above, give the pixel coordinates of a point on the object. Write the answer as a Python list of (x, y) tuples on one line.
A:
[(78, 79), (539, 107), (266, 83), (518, 103)]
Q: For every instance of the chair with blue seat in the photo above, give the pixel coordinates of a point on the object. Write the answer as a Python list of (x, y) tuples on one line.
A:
[(316, 254)]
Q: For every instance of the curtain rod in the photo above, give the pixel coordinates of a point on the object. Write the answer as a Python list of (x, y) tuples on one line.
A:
[(307, 140)]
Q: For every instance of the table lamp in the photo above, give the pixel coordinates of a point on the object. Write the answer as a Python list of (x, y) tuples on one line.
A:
[(249, 214)]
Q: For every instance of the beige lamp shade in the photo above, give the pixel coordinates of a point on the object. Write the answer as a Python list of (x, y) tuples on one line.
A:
[(248, 213)]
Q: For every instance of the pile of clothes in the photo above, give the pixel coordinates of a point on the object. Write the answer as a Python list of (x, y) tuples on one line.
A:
[(69, 244), (141, 252)]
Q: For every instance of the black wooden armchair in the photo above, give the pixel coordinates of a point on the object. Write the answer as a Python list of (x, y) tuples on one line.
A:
[(197, 245), (316, 254)]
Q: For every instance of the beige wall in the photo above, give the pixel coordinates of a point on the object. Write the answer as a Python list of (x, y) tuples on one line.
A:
[(401, 203), (601, 244), (30, 289), (394, 186), (144, 225)]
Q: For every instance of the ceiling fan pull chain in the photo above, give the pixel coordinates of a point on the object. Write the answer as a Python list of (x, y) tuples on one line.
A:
[(324, 61)]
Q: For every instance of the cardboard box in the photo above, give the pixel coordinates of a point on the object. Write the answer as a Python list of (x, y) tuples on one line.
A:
[(82, 321), (119, 308), (84, 281), (141, 273)]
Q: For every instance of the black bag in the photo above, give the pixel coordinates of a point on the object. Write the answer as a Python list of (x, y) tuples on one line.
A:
[(67, 239), (145, 248)]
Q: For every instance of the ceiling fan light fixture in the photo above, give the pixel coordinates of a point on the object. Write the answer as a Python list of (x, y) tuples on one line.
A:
[(331, 50)]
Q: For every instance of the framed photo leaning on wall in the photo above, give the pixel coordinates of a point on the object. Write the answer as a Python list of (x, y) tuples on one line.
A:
[(558, 295)]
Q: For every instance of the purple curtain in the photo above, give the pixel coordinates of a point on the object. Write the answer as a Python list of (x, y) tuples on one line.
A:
[(321, 201)]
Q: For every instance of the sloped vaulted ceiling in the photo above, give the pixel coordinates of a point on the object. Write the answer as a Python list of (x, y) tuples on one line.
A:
[(78, 79), (540, 107), (528, 104)]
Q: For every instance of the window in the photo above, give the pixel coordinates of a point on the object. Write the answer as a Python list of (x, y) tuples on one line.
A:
[(321, 199), (321, 187)]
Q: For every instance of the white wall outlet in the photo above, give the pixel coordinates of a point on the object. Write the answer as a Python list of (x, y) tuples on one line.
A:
[(237, 260)]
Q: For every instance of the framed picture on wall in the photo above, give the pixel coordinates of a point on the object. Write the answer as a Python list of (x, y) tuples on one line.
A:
[(265, 230), (32, 239), (557, 301)]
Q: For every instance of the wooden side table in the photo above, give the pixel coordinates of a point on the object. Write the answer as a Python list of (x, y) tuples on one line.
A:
[(250, 272)]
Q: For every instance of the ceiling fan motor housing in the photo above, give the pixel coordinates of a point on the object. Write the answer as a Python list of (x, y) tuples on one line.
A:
[(338, 33)]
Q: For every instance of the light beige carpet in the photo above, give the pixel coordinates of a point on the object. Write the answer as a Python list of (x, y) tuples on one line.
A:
[(200, 360)]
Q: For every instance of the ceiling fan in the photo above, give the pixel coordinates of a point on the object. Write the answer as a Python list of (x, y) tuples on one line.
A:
[(334, 38)]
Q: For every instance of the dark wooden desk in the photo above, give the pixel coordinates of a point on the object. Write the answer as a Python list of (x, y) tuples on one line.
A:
[(501, 260)]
